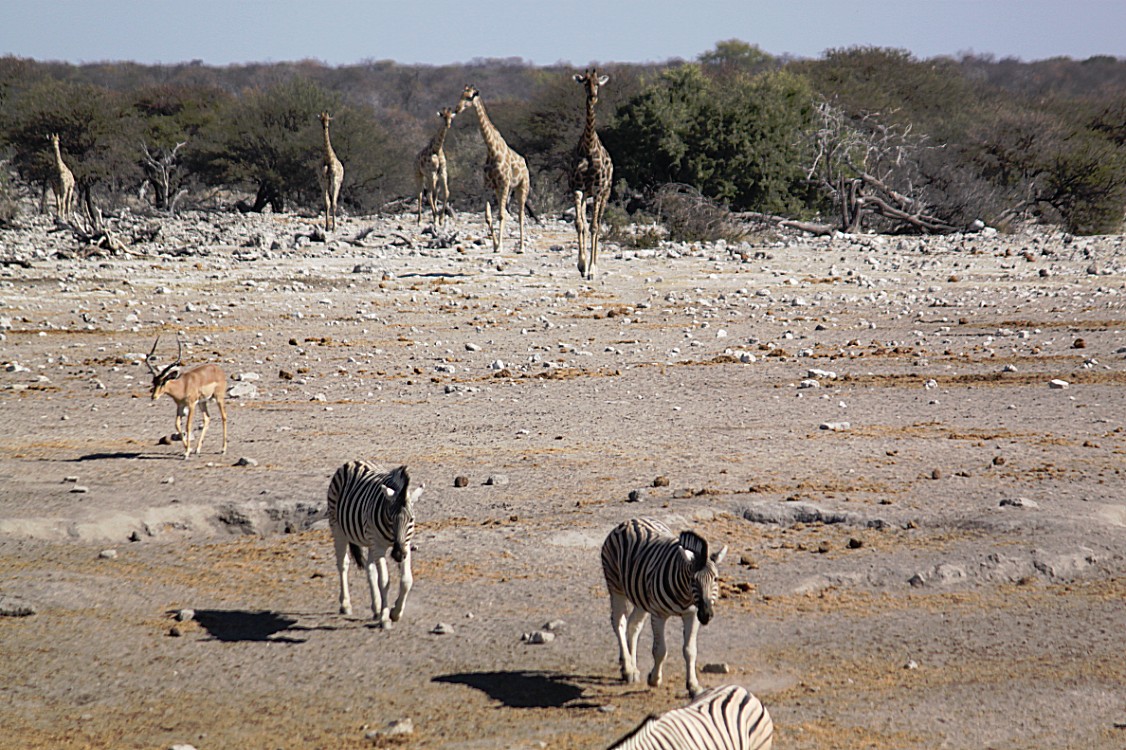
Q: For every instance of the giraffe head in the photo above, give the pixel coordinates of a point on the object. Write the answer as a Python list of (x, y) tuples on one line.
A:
[(448, 115), (54, 139), (591, 81), (468, 96), (325, 118)]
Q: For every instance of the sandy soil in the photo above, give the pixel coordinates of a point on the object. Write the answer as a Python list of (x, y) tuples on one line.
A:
[(944, 571)]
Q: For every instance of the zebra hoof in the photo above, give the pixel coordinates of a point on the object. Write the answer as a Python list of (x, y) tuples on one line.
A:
[(345, 609), (694, 691), (654, 680)]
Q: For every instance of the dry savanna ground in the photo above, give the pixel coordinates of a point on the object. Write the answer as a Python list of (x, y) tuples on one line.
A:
[(925, 535)]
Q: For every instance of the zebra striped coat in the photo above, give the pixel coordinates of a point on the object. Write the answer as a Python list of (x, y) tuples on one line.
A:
[(722, 718), (373, 509), (649, 571)]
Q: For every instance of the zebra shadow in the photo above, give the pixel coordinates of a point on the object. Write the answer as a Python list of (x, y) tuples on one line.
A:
[(237, 625), (523, 689)]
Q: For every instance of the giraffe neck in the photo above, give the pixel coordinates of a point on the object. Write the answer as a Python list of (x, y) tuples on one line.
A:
[(329, 154), (493, 141), (439, 139), (590, 136), (59, 163)]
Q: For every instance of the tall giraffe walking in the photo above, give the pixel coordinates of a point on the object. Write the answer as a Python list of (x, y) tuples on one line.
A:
[(506, 172), (430, 169), (62, 182), (592, 174), (331, 176)]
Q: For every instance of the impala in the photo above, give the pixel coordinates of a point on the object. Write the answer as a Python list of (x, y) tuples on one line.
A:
[(195, 385)]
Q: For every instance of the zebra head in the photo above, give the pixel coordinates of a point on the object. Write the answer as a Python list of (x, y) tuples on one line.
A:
[(705, 573), (402, 514)]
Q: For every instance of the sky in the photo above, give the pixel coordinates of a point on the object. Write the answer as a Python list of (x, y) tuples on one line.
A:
[(546, 32)]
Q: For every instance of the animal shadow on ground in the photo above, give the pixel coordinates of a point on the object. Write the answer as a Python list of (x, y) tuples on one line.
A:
[(122, 454), (524, 689), (235, 625)]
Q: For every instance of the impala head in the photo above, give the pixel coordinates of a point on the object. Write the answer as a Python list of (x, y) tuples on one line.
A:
[(468, 95), (705, 580), (402, 510), (161, 379), (591, 81)]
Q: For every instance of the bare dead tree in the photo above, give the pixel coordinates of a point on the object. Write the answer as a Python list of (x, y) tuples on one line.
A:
[(160, 166), (869, 170)]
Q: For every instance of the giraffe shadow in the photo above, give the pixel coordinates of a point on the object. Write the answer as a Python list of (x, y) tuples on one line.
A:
[(237, 625), (523, 688)]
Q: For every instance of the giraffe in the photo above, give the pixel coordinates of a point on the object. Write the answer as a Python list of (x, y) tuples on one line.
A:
[(430, 167), (331, 175), (62, 182), (505, 170), (591, 176)]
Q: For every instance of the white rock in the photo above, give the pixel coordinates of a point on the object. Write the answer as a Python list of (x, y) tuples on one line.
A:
[(836, 426), (1058, 384)]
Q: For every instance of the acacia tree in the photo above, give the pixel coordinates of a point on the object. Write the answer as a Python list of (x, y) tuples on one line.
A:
[(735, 140)]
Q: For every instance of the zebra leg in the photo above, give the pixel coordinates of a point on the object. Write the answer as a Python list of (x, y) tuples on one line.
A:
[(627, 646), (659, 650), (377, 566), (406, 580), (636, 622), (341, 545), (691, 628)]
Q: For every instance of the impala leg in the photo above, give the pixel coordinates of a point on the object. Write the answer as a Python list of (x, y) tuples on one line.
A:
[(223, 415), (203, 430)]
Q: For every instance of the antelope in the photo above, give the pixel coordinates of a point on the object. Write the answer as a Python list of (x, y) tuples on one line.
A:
[(195, 385)]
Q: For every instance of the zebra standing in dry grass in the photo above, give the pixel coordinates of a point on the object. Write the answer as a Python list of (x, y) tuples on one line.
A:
[(367, 508), (662, 575), (722, 718)]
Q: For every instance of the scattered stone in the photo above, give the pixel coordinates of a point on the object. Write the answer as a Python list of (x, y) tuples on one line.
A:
[(836, 426), (608, 708), (998, 460), (243, 390), (80, 489), (716, 668), (185, 615), (1058, 384), (497, 480), (936, 474), (538, 637), (442, 629), (244, 461), (809, 383), (854, 543), (285, 374), (182, 747), (247, 377), (911, 665), (661, 481), (107, 554), (635, 496), (554, 625), (472, 347), (395, 728), (175, 631), (168, 480), (461, 481), (13, 606), (1018, 502), (70, 480), (821, 374), (1010, 368)]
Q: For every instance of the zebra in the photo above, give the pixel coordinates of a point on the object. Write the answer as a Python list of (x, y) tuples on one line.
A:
[(721, 718), (367, 508), (660, 575)]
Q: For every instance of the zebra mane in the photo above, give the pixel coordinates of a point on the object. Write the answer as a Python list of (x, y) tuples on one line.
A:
[(640, 733), (398, 481), (697, 546)]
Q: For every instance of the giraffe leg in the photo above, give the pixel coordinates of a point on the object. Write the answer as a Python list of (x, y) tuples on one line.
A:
[(446, 196), (521, 199), (502, 211), (433, 197), (580, 228), (595, 228), (489, 224)]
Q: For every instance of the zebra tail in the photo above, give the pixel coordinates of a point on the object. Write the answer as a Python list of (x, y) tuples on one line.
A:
[(357, 554)]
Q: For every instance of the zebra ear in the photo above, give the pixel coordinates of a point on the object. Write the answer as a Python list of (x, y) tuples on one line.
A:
[(390, 493), (696, 548), (717, 557)]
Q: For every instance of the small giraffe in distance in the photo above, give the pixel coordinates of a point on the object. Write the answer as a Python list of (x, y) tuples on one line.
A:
[(592, 174), (62, 182), (506, 172), (331, 176), (430, 169)]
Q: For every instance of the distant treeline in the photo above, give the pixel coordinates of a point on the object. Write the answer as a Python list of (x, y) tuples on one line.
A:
[(861, 138)]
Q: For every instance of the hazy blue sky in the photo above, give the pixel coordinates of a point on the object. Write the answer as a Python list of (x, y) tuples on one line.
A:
[(340, 32)]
